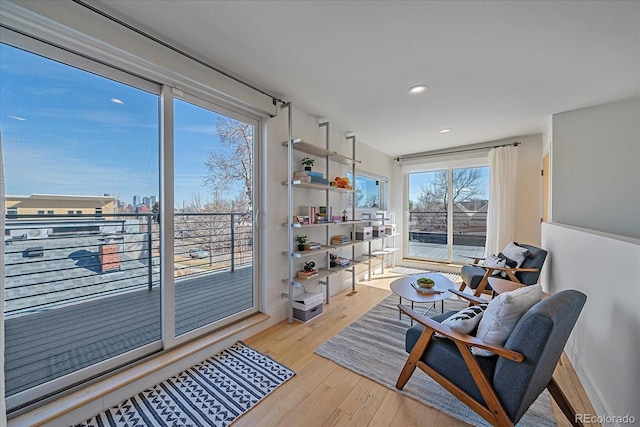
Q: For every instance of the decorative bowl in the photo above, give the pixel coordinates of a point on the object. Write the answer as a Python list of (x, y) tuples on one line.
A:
[(425, 282)]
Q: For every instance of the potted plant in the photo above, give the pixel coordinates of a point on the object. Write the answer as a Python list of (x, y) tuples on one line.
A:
[(307, 162), (301, 241)]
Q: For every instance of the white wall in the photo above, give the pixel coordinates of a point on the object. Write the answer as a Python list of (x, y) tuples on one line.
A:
[(596, 172), (595, 182), (605, 342)]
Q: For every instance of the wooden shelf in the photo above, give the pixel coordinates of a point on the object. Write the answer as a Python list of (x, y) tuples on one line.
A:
[(300, 184), (302, 254), (339, 158), (322, 274), (306, 147)]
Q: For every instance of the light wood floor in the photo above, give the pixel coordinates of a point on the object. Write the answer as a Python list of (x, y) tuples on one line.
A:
[(325, 394)]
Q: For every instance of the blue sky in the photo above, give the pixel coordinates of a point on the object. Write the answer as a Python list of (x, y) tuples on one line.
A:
[(67, 131), (419, 179)]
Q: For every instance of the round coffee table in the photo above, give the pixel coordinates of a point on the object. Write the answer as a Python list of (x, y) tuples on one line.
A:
[(404, 289)]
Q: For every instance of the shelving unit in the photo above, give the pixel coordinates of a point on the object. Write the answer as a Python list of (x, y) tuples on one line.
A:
[(325, 272)]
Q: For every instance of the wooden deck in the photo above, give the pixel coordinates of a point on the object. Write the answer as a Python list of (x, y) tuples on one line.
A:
[(48, 344)]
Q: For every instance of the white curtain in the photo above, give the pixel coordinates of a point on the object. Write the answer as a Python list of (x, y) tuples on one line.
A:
[(503, 163), (3, 409)]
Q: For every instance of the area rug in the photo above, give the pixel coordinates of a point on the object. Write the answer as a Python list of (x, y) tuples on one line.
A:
[(373, 346), (404, 270), (212, 393)]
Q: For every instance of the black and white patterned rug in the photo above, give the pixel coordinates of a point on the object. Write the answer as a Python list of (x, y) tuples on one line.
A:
[(212, 393)]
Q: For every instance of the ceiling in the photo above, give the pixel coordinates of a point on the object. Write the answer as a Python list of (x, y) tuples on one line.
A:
[(495, 69)]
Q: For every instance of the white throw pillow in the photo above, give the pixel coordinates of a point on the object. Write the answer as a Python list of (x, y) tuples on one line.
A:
[(515, 253), (494, 261), (465, 320), (502, 315)]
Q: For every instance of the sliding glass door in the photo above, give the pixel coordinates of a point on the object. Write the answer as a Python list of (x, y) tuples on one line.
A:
[(88, 287), (213, 200), (447, 214), (82, 290)]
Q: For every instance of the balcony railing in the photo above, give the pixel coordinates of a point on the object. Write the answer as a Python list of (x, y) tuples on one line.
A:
[(60, 259), (428, 234), (85, 289)]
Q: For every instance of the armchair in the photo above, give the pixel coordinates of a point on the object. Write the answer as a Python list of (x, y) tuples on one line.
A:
[(476, 276), (499, 388)]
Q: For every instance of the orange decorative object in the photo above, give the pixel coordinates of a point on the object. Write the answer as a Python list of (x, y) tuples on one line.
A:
[(342, 182)]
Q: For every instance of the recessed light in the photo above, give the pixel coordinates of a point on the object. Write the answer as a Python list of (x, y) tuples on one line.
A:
[(117, 101), (417, 89), (445, 130)]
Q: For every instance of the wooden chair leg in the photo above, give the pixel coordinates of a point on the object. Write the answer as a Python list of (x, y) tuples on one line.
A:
[(564, 404), (462, 286), (415, 355)]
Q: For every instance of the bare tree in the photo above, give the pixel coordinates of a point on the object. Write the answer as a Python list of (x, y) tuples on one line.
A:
[(232, 167), (466, 186)]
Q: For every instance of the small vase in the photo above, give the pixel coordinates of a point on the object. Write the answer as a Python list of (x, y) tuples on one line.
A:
[(301, 247), (307, 168)]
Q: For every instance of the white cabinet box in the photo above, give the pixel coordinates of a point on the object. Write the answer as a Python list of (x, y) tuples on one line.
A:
[(307, 306), (364, 232), (306, 301), (378, 231)]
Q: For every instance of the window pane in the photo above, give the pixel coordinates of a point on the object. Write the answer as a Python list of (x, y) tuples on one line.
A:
[(81, 287), (470, 204), (368, 195), (428, 215), (213, 216)]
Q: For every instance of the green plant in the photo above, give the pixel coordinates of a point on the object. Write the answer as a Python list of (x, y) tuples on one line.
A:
[(301, 240), (307, 161)]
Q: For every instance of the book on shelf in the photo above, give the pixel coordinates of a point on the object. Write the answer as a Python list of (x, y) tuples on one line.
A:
[(312, 180), (307, 274), (340, 239), (299, 174), (312, 246)]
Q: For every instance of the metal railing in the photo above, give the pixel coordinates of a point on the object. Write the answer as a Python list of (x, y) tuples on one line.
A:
[(52, 260), (469, 228)]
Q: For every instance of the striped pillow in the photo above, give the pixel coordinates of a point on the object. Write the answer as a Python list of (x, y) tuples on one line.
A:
[(465, 321)]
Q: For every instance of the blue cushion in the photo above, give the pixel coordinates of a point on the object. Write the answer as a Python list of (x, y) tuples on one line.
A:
[(472, 276), (443, 356)]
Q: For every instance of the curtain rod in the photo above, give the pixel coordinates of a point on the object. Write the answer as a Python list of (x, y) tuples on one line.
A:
[(433, 154), (175, 49)]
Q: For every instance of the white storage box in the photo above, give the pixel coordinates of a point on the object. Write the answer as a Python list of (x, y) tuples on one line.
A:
[(306, 315), (391, 229), (378, 231), (307, 301), (364, 232)]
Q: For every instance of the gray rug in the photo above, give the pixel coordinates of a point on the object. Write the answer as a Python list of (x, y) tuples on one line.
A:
[(373, 346)]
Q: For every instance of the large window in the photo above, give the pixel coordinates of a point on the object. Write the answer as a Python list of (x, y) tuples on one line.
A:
[(83, 172), (75, 299), (371, 191), (447, 214)]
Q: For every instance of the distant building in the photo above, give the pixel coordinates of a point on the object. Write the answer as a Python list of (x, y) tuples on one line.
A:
[(57, 204)]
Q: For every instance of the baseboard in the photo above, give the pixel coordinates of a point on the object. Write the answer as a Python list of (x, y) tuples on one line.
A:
[(593, 393)]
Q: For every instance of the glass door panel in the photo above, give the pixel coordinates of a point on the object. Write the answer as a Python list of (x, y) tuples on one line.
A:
[(82, 292), (470, 204), (213, 200), (428, 216)]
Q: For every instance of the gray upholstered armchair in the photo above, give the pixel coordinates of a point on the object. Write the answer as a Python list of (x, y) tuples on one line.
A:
[(476, 276), (499, 388)]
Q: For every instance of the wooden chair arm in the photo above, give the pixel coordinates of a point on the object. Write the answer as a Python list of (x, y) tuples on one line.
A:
[(509, 269), (467, 340), (474, 258), (471, 298)]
